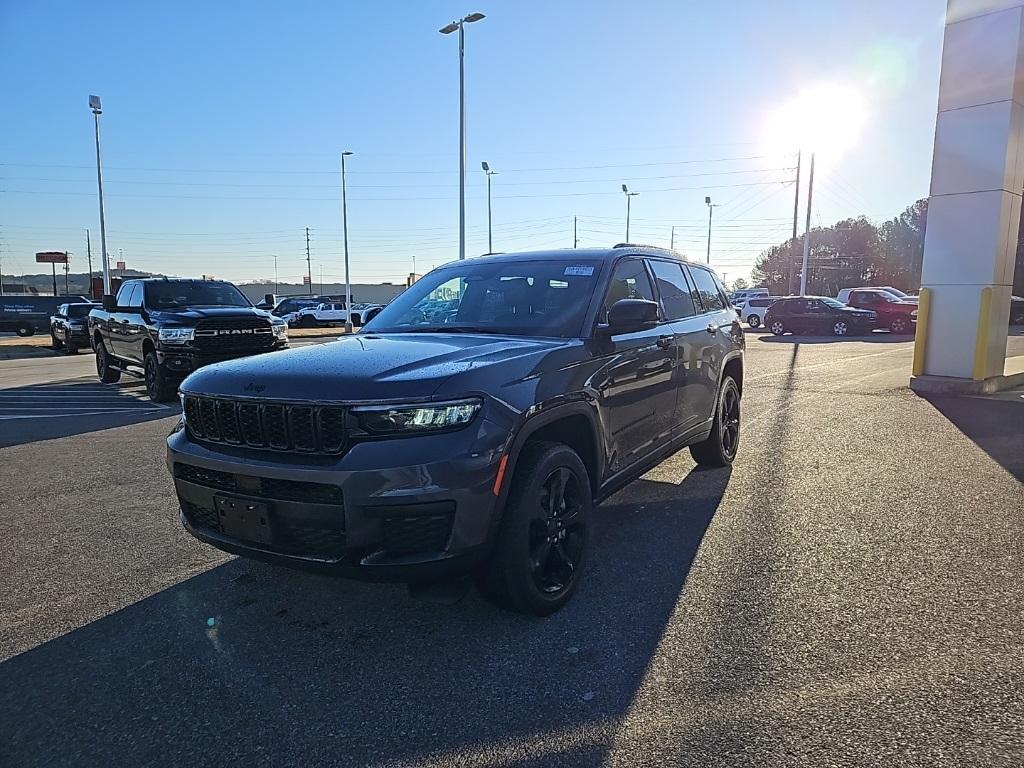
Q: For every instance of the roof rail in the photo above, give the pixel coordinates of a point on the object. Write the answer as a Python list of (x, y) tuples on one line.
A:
[(639, 245)]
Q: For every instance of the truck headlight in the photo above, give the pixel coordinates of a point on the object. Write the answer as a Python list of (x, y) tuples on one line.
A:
[(414, 419), (176, 335), (280, 330)]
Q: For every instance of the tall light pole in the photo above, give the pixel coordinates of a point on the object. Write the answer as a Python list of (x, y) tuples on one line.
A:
[(277, 283), (629, 195), (488, 173), (97, 110), (88, 250), (711, 207), (807, 230), (344, 225), (447, 30)]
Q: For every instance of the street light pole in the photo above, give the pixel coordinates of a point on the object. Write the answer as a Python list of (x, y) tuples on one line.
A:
[(97, 110), (807, 230), (88, 251), (711, 207), (628, 194), (488, 172), (277, 284), (447, 30), (344, 225)]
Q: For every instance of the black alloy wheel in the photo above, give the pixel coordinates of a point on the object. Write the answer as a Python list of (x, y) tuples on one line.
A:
[(721, 446), (107, 373), (556, 533), (158, 387), (55, 343)]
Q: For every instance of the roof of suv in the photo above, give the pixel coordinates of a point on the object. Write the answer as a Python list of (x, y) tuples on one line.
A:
[(591, 254)]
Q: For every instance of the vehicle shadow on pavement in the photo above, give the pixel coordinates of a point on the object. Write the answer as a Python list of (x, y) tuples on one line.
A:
[(995, 424), (73, 407), (251, 663), (871, 338)]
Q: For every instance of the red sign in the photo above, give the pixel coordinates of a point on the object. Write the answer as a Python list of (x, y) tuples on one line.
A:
[(120, 265), (51, 257), (305, 279)]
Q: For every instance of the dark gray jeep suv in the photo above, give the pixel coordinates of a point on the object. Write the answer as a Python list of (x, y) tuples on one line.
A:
[(473, 439)]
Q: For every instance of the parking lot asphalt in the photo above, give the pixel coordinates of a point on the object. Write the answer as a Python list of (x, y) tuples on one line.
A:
[(849, 593)]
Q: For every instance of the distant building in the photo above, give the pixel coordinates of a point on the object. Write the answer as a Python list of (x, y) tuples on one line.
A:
[(378, 293)]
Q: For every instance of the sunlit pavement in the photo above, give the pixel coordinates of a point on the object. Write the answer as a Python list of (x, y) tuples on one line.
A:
[(848, 594)]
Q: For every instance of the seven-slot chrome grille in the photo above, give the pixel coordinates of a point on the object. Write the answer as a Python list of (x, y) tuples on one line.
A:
[(272, 426)]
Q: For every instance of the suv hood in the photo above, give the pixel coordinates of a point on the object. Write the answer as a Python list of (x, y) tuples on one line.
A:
[(375, 367)]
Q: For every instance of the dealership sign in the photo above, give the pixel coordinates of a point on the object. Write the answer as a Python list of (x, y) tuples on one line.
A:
[(51, 257)]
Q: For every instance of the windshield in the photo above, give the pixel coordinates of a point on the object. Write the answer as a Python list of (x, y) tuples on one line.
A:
[(833, 303), (193, 293), (521, 298), (79, 310)]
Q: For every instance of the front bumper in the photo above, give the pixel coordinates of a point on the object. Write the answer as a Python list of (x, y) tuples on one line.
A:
[(182, 360), (396, 509)]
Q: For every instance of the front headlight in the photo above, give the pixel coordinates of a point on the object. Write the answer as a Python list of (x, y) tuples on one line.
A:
[(176, 335), (413, 419), (280, 330)]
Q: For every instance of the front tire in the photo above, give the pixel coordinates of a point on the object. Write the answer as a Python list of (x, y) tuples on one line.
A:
[(777, 327), (159, 388), (719, 450), (840, 328), (754, 321), (539, 552), (899, 325), (55, 343), (107, 373)]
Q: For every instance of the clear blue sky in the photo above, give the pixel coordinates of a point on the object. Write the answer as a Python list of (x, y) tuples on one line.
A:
[(223, 122)]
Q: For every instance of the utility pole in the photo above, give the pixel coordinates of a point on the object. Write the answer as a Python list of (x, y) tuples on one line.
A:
[(344, 227), (1, 278), (53, 267), (277, 286), (321, 279), (67, 268), (672, 242), (796, 214), (575, 239), (711, 207), (309, 266), (807, 230), (629, 196), (88, 250)]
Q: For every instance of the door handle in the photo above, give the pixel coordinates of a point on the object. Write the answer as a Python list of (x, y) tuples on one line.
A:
[(712, 328), (665, 342)]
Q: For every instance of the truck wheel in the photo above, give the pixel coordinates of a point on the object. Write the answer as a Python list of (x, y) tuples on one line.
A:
[(71, 348), (104, 369), (720, 448), (159, 388), (539, 552), (24, 329), (55, 343), (899, 325)]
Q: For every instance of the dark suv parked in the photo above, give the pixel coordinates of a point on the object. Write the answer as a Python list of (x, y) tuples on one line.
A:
[(817, 314), (474, 441)]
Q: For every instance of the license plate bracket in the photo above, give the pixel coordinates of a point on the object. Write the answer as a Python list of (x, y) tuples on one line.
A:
[(245, 519)]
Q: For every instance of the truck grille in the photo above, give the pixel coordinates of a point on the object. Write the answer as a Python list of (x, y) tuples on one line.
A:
[(233, 334), (268, 426)]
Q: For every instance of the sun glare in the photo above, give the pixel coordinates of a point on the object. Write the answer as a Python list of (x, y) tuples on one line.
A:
[(826, 119)]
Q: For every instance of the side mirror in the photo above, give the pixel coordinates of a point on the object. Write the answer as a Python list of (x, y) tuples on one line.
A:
[(109, 302), (630, 315)]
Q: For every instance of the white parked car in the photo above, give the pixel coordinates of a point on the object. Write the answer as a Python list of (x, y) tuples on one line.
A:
[(752, 310), (333, 314), (738, 297)]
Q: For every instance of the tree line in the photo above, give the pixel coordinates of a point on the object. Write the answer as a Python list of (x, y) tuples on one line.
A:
[(849, 253)]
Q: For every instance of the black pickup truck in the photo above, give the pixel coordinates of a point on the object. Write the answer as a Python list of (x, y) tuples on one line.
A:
[(169, 328)]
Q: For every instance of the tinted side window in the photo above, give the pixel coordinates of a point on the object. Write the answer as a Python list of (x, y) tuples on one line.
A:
[(124, 294), (674, 290), (707, 288), (629, 281)]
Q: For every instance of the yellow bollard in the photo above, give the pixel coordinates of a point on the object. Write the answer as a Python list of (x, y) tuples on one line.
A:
[(924, 304), (981, 338)]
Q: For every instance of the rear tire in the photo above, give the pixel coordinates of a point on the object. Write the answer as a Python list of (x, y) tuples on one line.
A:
[(71, 348), (25, 330), (107, 373), (720, 448), (754, 321), (308, 322), (541, 545), (55, 343), (159, 388), (777, 328)]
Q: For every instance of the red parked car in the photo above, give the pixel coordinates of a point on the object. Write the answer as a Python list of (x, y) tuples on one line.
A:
[(898, 315)]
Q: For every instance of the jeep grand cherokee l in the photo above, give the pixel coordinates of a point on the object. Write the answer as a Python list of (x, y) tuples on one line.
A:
[(474, 440)]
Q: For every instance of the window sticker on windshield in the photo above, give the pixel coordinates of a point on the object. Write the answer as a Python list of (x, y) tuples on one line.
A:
[(579, 270)]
